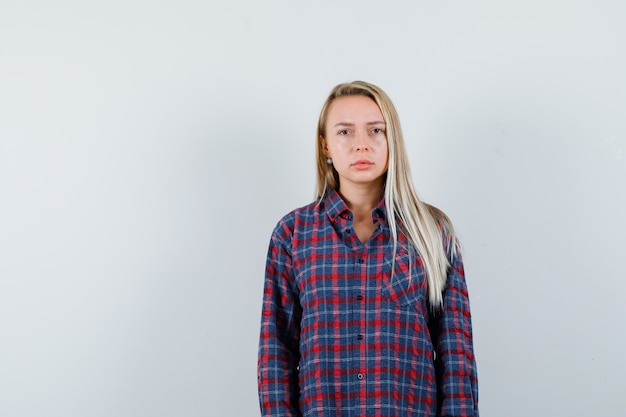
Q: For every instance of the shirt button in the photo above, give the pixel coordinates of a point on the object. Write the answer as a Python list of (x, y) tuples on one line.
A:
[(360, 337), (361, 260), (359, 376), (359, 297)]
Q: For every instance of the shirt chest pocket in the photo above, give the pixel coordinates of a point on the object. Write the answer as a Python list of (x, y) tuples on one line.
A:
[(404, 281)]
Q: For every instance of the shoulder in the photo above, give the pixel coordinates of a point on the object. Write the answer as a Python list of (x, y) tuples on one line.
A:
[(450, 240), (301, 217), (442, 219)]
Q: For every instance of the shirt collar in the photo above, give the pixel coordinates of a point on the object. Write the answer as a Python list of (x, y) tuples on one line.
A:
[(336, 208)]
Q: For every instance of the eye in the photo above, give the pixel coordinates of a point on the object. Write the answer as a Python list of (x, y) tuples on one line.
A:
[(377, 130), (343, 132)]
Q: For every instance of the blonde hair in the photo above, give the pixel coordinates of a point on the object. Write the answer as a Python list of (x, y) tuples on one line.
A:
[(423, 225)]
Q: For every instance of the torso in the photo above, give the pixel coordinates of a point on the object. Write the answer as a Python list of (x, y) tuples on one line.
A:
[(363, 316)]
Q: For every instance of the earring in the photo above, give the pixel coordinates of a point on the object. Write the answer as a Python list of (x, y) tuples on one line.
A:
[(329, 161)]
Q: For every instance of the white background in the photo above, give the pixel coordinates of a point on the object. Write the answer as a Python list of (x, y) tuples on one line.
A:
[(147, 149)]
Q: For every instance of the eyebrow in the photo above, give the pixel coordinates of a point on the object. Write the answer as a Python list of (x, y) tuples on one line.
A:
[(377, 122)]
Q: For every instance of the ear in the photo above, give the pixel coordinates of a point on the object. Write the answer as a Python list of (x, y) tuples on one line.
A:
[(324, 146)]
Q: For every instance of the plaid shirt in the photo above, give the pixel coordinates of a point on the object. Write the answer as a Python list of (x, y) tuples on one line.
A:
[(343, 336)]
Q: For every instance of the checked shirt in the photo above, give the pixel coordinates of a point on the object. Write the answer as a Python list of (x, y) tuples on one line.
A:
[(341, 335)]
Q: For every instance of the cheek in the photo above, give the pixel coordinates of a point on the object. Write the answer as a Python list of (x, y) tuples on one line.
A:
[(342, 146), (385, 153), (384, 148)]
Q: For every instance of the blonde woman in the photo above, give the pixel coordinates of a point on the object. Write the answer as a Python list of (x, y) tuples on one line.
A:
[(365, 306)]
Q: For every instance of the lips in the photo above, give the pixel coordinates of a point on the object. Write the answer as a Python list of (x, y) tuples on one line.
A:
[(362, 164)]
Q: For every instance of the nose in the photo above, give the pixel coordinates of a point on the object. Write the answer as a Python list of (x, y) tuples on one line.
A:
[(361, 141)]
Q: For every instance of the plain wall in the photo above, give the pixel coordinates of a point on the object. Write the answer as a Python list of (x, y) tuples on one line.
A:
[(148, 148)]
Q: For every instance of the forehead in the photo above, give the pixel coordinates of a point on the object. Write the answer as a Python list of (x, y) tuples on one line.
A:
[(354, 109)]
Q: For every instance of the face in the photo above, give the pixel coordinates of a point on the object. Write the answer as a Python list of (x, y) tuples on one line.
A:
[(356, 140)]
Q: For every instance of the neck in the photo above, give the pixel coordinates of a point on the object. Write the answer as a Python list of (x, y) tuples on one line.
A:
[(361, 200)]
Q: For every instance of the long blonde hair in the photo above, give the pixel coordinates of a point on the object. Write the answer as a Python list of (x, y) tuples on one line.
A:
[(423, 225)]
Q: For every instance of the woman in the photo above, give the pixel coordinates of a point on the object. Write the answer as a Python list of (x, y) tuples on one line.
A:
[(365, 306)]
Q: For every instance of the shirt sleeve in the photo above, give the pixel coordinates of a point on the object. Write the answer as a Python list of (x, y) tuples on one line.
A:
[(456, 364), (280, 332)]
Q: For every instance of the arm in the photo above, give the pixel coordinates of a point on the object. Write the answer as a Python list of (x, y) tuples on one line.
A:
[(280, 334), (456, 365)]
